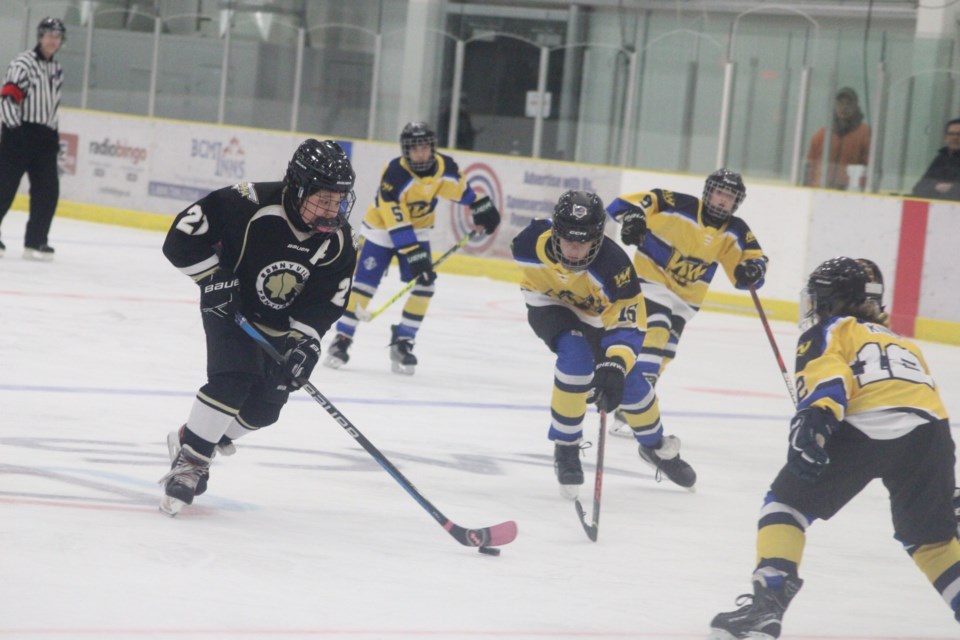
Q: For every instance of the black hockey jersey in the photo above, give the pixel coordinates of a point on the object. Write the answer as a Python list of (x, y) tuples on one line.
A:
[(289, 279)]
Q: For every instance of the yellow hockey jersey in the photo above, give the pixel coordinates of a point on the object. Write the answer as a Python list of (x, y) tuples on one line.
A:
[(681, 251), (406, 202), (606, 295), (868, 376)]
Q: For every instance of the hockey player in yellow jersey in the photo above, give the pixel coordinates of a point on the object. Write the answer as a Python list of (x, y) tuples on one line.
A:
[(583, 300), (398, 223), (868, 408), (681, 240)]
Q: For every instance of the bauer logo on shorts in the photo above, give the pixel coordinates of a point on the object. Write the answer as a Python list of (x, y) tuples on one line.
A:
[(279, 284)]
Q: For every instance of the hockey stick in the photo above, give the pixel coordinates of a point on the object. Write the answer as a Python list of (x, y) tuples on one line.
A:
[(366, 316), (773, 345), (498, 534), (593, 529)]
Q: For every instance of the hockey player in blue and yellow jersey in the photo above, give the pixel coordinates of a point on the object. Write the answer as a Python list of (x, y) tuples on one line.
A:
[(868, 408), (398, 223), (681, 240), (583, 300)]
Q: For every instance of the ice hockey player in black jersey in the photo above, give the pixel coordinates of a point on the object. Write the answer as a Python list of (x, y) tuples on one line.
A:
[(283, 254), (868, 408), (584, 301)]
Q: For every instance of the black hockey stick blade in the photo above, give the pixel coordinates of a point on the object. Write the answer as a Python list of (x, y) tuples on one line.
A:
[(498, 534), (593, 529)]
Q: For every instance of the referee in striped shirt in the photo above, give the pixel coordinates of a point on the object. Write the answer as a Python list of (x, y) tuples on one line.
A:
[(29, 141)]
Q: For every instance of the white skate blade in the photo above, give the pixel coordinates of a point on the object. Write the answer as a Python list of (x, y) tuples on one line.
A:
[(173, 444), (37, 256), (620, 429), (171, 506), (570, 491), (403, 370), (332, 362)]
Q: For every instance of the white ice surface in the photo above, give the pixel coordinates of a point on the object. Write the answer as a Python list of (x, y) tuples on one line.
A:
[(302, 535)]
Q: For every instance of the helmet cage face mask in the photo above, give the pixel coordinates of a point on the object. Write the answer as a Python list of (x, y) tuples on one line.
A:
[(319, 166), (723, 181), (52, 24), (416, 134), (579, 217)]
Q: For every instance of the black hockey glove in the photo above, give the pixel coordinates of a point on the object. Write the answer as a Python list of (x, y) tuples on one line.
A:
[(420, 265), (300, 361), (749, 273), (956, 507), (809, 431), (633, 226), (220, 294), (608, 379), (485, 214)]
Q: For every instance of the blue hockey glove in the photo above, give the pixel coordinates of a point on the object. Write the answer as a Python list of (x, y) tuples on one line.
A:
[(809, 431), (749, 273), (220, 294)]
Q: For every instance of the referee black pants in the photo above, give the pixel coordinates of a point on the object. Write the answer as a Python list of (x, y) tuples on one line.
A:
[(31, 149)]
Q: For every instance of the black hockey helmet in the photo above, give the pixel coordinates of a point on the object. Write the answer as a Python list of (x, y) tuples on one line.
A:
[(318, 165), (726, 181), (415, 134), (51, 24), (839, 286), (578, 217)]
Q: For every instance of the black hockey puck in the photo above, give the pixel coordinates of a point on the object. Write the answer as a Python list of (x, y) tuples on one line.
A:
[(490, 551)]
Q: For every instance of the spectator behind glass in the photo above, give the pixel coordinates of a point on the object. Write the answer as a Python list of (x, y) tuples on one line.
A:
[(942, 178), (849, 143)]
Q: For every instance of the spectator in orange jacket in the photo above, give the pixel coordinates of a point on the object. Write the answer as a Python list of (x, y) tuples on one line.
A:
[(849, 143)]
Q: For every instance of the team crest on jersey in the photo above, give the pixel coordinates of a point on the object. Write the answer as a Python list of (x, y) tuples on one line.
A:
[(588, 303), (279, 284), (622, 278), (803, 347), (246, 190), (686, 270), (668, 197)]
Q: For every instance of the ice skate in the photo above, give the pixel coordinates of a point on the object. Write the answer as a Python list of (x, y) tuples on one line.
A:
[(666, 460), (337, 355), (43, 253), (402, 360), (760, 615), (180, 484), (566, 464), (225, 448)]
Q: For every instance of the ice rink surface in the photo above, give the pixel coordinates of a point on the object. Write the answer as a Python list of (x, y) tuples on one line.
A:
[(303, 535)]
